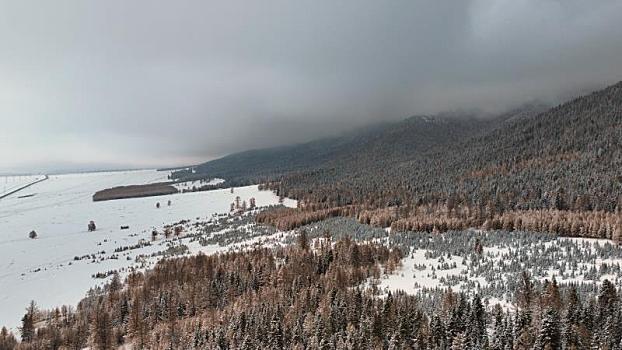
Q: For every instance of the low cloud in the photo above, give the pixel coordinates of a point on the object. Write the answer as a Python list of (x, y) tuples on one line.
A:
[(154, 83)]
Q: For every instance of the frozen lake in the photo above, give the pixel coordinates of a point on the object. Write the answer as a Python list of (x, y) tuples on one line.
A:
[(44, 269)]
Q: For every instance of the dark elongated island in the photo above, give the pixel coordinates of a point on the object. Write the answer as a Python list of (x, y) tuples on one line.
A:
[(135, 191)]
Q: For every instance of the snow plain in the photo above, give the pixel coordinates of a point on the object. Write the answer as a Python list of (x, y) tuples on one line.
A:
[(46, 269), (13, 182)]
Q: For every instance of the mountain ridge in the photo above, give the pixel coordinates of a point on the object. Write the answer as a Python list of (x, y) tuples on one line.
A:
[(563, 157), (415, 132)]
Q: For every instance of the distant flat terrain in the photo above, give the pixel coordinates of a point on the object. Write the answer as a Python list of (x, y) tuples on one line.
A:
[(13, 184), (46, 270)]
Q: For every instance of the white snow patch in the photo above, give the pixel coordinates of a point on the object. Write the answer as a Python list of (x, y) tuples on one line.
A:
[(418, 272), (14, 182)]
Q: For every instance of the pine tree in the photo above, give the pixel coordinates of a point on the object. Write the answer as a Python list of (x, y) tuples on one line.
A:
[(28, 322), (607, 298), (498, 335), (569, 327), (523, 331), (525, 291), (303, 241), (477, 324), (101, 331), (552, 295), (549, 337), (439, 337), (457, 322)]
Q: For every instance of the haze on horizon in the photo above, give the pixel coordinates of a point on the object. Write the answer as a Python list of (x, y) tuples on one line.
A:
[(112, 84)]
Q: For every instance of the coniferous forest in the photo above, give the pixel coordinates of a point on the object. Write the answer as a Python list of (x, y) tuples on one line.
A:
[(310, 296), (533, 168)]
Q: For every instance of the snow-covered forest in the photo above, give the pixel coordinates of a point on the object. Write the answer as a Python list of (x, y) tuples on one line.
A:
[(533, 169), (340, 284)]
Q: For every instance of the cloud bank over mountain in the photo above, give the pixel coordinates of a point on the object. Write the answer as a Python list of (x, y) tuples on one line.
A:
[(153, 83)]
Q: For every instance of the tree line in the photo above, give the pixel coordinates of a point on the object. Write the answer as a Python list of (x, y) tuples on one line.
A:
[(452, 217)]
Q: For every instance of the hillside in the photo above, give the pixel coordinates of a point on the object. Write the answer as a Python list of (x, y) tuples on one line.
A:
[(327, 297), (362, 148), (565, 158), (572, 152)]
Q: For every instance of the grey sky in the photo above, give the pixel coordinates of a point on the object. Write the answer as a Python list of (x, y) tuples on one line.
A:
[(141, 83)]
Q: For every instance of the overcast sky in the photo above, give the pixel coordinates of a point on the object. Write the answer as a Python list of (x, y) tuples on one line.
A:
[(128, 83)]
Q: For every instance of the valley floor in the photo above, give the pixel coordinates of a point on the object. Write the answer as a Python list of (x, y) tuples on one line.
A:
[(59, 266), (65, 260)]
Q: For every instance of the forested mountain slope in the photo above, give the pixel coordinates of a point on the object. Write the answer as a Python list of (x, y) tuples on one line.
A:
[(374, 147), (473, 171), (568, 157), (395, 141)]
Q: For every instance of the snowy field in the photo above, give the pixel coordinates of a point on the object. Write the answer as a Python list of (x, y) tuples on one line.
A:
[(58, 267), (14, 182)]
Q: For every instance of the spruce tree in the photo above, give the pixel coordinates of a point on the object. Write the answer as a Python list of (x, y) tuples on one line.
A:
[(607, 298), (477, 323), (549, 337), (498, 335), (439, 337), (28, 322)]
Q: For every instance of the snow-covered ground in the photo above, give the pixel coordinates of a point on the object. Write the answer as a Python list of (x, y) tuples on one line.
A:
[(434, 262), (13, 182), (54, 268), (439, 261)]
